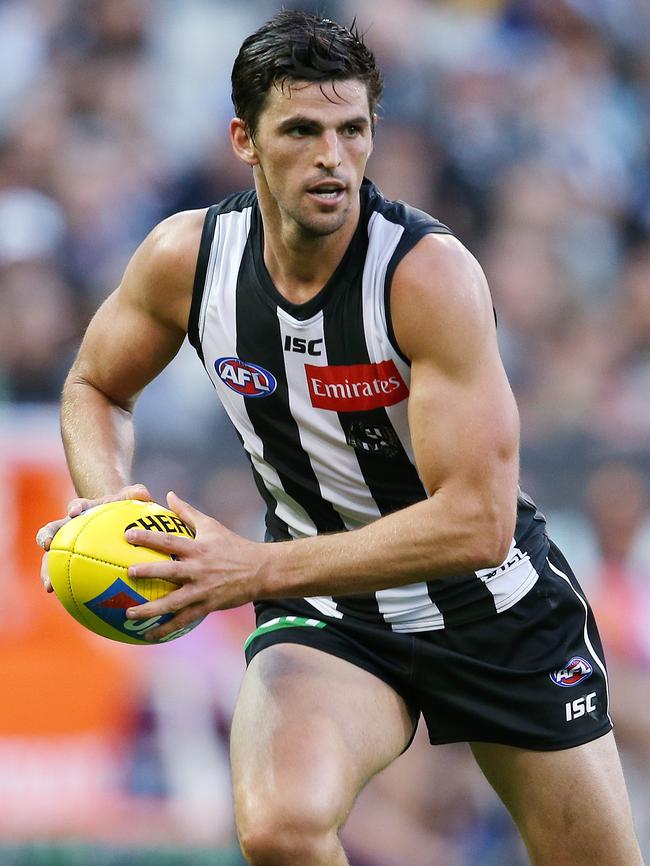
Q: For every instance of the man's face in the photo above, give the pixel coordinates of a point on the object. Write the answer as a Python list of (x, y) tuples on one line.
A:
[(311, 146)]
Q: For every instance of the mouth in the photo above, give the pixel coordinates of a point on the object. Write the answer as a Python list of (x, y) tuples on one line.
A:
[(328, 192)]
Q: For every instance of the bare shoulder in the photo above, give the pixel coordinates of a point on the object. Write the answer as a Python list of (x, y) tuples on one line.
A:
[(160, 276), (440, 301), (175, 241)]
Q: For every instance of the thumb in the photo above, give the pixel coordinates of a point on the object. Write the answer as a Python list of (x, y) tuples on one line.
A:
[(188, 513)]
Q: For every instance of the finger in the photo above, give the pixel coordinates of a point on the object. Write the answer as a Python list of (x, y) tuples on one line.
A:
[(46, 533), (166, 570), (136, 491), (45, 577), (131, 491), (44, 537), (76, 506), (188, 513), (168, 604), (188, 616), (165, 542)]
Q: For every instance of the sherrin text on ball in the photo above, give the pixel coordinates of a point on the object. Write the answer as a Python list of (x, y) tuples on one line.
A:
[(88, 565)]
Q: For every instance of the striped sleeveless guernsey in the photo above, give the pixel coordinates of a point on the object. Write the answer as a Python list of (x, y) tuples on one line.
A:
[(318, 395)]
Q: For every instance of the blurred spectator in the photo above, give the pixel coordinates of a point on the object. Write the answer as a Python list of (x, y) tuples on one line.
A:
[(521, 124), (431, 807), (618, 506)]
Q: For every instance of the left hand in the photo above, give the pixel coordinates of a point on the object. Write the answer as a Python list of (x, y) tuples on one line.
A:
[(214, 571)]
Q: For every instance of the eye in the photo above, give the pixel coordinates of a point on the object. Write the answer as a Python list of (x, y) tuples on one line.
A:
[(352, 130), (299, 131)]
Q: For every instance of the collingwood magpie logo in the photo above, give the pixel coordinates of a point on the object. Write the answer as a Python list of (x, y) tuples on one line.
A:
[(376, 439)]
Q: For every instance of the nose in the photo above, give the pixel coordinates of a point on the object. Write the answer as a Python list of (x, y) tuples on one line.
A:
[(328, 152)]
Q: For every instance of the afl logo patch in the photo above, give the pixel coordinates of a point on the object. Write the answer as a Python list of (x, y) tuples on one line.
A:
[(249, 380), (575, 671)]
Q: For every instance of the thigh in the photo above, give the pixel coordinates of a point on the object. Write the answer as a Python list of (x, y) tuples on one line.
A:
[(571, 806), (309, 730)]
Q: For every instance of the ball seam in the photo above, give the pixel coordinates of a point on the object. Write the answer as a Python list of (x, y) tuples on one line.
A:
[(124, 568), (73, 552), (81, 608), (100, 512)]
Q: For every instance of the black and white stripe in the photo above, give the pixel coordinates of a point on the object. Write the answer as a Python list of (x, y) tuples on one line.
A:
[(309, 465)]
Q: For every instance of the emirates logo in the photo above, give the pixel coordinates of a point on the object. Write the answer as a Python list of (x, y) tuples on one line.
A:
[(355, 387)]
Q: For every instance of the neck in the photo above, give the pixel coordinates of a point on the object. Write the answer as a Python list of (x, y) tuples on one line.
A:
[(300, 262)]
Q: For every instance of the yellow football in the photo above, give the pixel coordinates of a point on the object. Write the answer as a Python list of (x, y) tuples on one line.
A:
[(88, 561)]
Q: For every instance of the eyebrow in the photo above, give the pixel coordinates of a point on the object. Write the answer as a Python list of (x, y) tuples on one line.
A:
[(303, 120)]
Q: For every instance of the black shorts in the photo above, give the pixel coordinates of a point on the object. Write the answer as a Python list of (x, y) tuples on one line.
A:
[(532, 676)]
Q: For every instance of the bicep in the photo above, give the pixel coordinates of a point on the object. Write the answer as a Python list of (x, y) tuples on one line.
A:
[(462, 414), (124, 348), (464, 428), (141, 326)]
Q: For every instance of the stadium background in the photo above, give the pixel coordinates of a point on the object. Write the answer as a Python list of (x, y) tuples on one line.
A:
[(522, 125)]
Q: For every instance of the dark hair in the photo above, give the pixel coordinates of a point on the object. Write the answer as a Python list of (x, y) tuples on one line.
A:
[(294, 46)]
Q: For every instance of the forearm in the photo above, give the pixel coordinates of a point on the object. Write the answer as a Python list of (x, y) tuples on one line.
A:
[(429, 540), (98, 439)]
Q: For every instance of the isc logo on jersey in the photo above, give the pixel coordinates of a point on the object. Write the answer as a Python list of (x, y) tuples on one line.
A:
[(249, 380), (575, 671)]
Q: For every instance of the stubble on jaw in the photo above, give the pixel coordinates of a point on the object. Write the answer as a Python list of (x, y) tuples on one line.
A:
[(311, 232), (305, 229)]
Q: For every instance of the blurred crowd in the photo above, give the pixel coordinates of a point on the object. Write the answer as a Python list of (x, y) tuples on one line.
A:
[(522, 125)]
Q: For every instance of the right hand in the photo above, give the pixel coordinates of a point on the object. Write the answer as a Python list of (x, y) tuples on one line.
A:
[(46, 533)]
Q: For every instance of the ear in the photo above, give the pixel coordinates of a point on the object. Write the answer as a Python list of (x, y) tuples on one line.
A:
[(242, 142), (374, 122)]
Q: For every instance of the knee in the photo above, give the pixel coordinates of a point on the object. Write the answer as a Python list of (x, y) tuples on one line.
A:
[(279, 834), (287, 847)]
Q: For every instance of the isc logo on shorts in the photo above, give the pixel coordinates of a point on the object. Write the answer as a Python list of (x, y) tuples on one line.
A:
[(249, 380), (580, 706), (575, 671)]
